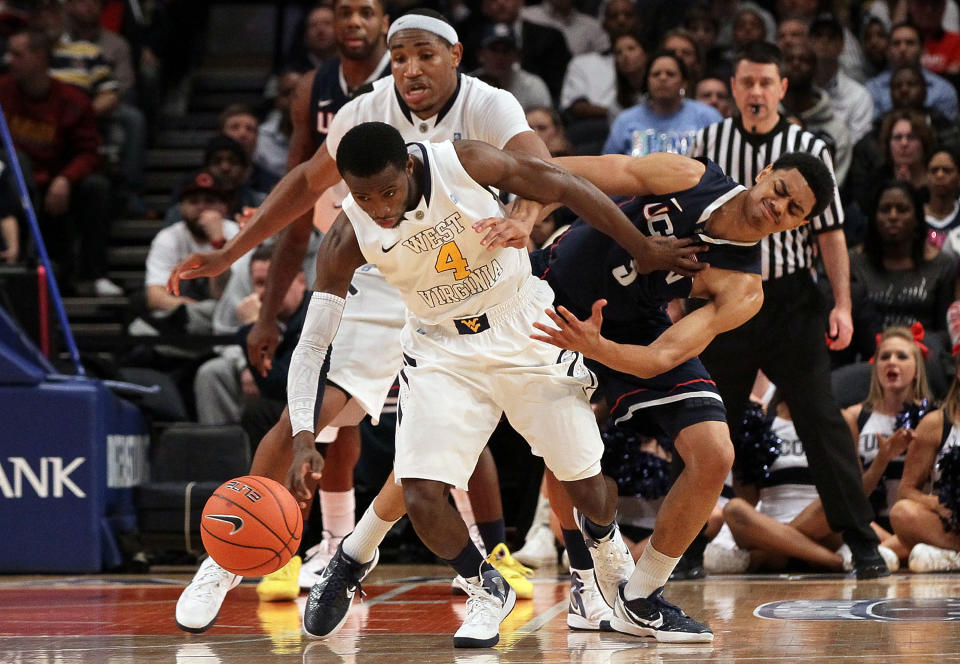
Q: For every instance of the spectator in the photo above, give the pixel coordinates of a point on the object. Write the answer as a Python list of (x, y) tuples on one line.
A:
[(876, 41), (942, 210), (318, 43), (543, 50), (904, 286), (703, 27), (225, 383), (666, 121), (905, 49), (590, 85), (751, 23), (685, 46), (792, 31), (82, 62), (53, 126), (851, 57), (499, 58), (202, 226), (83, 24), (227, 160), (546, 122), (813, 106), (850, 99), (583, 32), (941, 48), (631, 62), (273, 135), (714, 92)]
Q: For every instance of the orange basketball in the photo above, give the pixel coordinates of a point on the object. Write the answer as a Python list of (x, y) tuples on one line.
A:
[(251, 525)]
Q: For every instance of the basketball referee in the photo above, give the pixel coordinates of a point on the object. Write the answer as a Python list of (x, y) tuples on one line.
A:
[(786, 338)]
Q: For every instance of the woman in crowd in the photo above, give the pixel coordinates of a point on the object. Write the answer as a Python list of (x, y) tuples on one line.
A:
[(630, 60), (923, 523), (901, 284), (666, 121), (942, 209)]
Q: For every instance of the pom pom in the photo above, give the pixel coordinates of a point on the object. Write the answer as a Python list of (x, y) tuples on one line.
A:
[(911, 415), (947, 488), (756, 447), (637, 473)]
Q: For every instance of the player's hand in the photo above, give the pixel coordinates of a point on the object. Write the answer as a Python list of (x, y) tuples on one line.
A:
[(572, 333), (262, 342), (305, 470), (669, 254), (841, 329), (196, 265), (504, 232)]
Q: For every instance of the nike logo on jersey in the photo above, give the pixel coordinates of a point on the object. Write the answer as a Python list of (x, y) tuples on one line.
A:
[(235, 521), (386, 249)]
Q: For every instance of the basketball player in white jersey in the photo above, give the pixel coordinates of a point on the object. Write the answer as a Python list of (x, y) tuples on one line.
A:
[(425, 99), (467, 355)]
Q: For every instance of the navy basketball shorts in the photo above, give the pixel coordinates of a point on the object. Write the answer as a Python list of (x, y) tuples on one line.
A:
[(663, 405)]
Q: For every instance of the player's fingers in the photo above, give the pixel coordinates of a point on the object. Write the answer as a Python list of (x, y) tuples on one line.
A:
[(558, 319), (546, 339)]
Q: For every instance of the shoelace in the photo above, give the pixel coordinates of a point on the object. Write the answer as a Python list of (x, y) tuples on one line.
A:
[(340, 577), (479, 601), (210, 580)]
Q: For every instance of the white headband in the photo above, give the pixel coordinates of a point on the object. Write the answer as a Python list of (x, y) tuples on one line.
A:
[(421, 22)]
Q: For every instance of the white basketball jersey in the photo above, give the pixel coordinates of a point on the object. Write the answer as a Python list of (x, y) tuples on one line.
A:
[(433, 256), (476, 111)]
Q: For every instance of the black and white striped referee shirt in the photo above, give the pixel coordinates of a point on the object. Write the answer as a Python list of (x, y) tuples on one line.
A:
[(742, 155)]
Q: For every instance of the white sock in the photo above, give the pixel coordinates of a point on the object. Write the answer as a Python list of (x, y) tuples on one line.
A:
[(362, 543), (462, 501), (338, 511), (652, 571)]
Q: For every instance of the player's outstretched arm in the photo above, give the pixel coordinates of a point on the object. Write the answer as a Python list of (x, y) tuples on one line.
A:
[(337, 259), (546, 183), (736, 298), (622, 175)]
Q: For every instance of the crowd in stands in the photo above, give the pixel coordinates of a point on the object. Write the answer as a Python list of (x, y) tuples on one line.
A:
[(86, 82)]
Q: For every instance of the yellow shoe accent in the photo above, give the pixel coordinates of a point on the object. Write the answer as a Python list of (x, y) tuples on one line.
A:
[(516, 574), (282, 585)]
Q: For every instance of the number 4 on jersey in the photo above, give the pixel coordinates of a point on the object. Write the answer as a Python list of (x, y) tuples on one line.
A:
[(450, 258)]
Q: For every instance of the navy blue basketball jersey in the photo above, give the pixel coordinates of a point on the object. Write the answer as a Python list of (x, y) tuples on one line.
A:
[(572, 262), (329, 93)]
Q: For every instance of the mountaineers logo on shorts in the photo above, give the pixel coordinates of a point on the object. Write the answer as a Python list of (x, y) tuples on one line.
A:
[(472, 324)]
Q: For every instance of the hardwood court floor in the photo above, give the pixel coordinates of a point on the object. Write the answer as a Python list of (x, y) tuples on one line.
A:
[(409, 615)]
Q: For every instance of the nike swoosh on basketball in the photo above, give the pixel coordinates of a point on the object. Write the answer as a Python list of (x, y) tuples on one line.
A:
[(235, 521)]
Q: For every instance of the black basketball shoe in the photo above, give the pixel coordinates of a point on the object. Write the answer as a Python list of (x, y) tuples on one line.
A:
[(656, 617), (329, 600)]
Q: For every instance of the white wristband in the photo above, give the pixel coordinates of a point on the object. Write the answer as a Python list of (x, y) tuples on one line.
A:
[(306, 364)]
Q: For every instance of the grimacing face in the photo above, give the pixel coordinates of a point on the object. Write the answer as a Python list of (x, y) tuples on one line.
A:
[(781, 200)]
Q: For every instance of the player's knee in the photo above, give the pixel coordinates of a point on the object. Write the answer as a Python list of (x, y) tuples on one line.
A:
[(422, 498)]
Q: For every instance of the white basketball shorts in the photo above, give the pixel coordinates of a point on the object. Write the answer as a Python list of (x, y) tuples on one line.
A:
[(456, 383), (366, 356)]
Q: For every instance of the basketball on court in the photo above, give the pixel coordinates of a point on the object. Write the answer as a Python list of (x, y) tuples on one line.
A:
[(251, 525)]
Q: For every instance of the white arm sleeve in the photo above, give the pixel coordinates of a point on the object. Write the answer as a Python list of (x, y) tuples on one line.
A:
[(306, 364)]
